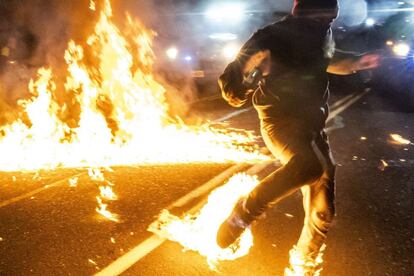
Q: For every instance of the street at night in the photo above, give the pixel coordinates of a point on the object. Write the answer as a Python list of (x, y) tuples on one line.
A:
[(120, 154), (57, 231)]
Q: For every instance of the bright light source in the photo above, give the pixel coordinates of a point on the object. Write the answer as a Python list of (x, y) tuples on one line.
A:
[(223, 36), (401, 49), (230, 51), (172, 53), (232, 12), (188, 58), (370, 21), (389, 42)]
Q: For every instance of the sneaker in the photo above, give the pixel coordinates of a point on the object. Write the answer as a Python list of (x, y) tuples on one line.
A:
[(234, 226), (304, 265)]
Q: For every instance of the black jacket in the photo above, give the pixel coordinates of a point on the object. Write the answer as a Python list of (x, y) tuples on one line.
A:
[(297, 86)]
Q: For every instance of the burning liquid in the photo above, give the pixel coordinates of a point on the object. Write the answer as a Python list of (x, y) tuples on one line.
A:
[(198, 232), (123, 116), (399, 140)]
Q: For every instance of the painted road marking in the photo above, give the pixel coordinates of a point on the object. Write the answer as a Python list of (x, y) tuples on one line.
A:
[(210, 185), (346, 105), (39, 190), (341, 101), (127, 260)]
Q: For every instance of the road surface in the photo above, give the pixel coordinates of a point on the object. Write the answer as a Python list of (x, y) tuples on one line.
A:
[(48, 227)]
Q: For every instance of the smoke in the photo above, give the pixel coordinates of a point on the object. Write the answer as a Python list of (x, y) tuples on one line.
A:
[(35, 33)]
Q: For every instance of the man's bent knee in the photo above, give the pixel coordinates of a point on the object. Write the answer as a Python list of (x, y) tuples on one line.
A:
[(307, 167)]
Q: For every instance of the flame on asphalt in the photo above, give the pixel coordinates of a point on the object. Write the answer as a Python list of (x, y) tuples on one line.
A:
[(399, 140), (198, 232), (123, 114)]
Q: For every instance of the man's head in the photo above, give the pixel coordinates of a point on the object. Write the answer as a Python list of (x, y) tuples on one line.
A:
[(326, 10)]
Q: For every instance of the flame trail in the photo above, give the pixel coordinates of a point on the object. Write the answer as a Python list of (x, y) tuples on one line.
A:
[(198, 232), (103, 211), (123, 115), (399, 140)]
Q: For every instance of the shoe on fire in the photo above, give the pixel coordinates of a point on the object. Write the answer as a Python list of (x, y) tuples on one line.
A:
[(234, 226), (304, 265)]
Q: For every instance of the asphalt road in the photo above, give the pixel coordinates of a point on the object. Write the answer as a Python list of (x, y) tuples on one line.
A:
[(56, 231)]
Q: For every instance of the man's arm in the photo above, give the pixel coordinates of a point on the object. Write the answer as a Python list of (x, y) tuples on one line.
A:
[(346, 63), (253, 52)]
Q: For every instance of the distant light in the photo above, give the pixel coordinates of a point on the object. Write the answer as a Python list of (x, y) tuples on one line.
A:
[(230, 51), (172, 53), (389, 42), (223, 36), (188, 58), (370, 21), (232, 12), (401, 49)]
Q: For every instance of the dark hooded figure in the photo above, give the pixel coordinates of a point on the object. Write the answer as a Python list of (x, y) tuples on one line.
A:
[(284, 67)]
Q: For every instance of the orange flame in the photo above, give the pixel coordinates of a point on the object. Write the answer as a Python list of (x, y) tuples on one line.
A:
[(198, 232), (123, 112), (399, 140), (103, 211)]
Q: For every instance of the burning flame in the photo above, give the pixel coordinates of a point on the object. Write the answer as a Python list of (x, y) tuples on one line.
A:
[(103, 211), (301, 265), (399, 140), (107, 193), (73, 182), (198, 232), (123, 115), (383, 165)]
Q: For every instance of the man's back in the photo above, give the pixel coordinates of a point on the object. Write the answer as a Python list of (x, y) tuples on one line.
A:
[(300, 50)]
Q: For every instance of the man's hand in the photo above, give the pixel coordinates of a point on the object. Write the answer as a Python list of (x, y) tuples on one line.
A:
[(261, 60), (368, 61), (352, 65)]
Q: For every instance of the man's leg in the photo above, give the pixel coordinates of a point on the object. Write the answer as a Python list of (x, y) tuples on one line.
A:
[(294, 143), (319, 206)]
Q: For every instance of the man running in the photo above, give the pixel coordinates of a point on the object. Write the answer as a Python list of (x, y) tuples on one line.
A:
[(284, 66)]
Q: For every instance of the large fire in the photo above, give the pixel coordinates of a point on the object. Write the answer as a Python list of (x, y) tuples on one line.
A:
[(198, 231), (123, 112)]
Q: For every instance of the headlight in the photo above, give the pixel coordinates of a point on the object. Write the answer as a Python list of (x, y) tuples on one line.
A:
[(370, 21), (401, 49), (230, 51), (223, 36), (232, 12), (172, 53)]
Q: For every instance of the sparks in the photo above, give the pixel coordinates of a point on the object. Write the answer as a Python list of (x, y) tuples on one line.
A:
[(383, 165), (73, 182)]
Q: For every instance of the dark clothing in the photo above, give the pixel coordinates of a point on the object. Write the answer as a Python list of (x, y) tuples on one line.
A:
[(309, 165), (297, 85), (316, 8), (292, 105)]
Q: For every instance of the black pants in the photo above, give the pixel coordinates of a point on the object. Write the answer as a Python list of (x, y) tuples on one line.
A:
[(307, 164)]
